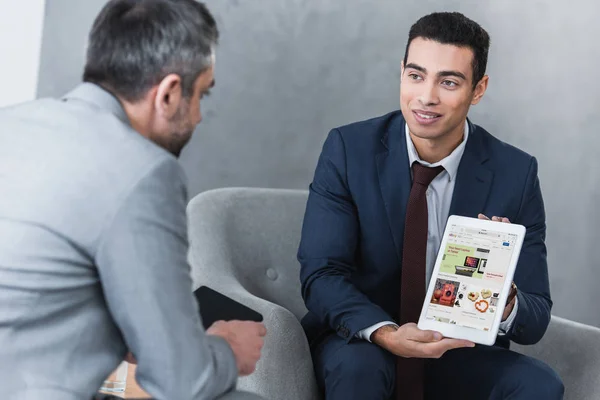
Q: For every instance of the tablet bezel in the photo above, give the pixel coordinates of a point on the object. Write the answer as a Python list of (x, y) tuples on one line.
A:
[(461, 332)]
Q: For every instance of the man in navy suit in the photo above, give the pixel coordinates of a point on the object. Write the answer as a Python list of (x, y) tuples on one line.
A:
[(353, 237)]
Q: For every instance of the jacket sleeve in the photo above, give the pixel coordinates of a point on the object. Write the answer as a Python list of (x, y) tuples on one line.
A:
[(328, 245), (531, 275), (142, 262)]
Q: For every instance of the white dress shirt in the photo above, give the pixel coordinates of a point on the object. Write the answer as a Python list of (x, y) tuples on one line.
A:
[(439, 196)]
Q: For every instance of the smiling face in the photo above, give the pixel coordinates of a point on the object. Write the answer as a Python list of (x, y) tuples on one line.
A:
[(436, 89)]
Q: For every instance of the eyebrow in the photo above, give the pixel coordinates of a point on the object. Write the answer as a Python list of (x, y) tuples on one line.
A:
[(440, 74)]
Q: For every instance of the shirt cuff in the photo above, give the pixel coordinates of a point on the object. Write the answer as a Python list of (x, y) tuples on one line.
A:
[(366, 333), (506, 325)]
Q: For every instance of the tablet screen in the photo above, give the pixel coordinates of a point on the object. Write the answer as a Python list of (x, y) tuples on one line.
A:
[(471, 277)]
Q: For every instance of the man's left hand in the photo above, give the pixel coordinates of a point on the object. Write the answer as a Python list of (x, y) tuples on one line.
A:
[(510, 303)]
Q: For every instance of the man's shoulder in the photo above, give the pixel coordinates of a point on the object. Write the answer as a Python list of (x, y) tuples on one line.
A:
[(107, 140), (502, 152), (365, 137), (96, 145), (376, 126)]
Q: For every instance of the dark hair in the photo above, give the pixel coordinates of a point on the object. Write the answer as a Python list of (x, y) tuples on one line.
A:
[(134, 44), (455, 29)]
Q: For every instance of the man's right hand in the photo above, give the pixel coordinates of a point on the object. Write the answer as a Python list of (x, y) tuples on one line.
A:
[(246, 341), (411, 342)]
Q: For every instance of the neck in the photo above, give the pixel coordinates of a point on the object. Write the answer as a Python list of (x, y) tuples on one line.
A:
[(435, 150), (137, 113), (139, 116)]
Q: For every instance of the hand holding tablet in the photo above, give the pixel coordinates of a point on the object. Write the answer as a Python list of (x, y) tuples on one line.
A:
[(238, 324), (411, 342)]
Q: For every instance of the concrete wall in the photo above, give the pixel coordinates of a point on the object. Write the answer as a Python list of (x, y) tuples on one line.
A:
[(21, 25), (290, 70)]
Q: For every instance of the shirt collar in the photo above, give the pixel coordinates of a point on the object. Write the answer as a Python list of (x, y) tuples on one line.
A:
[(450, 163)]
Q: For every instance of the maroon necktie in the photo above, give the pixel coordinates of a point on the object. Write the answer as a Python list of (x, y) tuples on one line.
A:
[(409, 380)]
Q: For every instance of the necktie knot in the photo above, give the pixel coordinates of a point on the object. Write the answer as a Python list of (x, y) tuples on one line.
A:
[(424, 175)]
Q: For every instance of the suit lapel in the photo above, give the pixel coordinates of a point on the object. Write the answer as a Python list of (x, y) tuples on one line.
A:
[(473, 179), (395, 180)]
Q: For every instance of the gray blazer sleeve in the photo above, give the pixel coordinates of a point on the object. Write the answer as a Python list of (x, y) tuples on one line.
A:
[(142, 262)]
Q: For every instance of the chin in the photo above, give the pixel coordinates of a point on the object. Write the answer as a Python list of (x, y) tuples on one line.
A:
[(423, 132), (178, 142)]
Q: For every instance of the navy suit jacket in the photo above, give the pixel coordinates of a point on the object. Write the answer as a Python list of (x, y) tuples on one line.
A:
[(351, 246)]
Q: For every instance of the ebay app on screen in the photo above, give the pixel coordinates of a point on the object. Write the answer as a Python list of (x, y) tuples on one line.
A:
[(471, 276)]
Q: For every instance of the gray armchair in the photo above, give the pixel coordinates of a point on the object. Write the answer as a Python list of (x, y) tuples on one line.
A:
[(243, 243), (573, 350)]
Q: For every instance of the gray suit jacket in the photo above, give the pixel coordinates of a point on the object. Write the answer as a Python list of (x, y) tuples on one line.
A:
[(93, 257)]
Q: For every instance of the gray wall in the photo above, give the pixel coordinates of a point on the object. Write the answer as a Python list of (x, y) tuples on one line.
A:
[(290, 70)]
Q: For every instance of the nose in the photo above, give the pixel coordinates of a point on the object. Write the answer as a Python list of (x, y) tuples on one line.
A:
[(429, 95)]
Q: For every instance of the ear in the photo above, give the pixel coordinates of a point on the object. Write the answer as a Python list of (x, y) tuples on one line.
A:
[(168, 96), (480, 89)]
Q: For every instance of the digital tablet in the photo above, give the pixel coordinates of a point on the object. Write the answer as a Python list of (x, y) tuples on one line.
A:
[(215, 306), (471, 279)]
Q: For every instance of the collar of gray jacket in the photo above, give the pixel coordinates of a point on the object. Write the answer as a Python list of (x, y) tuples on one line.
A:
[(98, 96)]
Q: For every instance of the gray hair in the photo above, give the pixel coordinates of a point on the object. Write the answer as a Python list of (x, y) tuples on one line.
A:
[(134, 44)]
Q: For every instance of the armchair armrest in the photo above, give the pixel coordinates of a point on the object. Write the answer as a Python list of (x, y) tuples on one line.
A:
[(572, 350), (285, 370)]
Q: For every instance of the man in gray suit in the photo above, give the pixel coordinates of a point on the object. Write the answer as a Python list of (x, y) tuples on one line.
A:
[(93, 237)]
